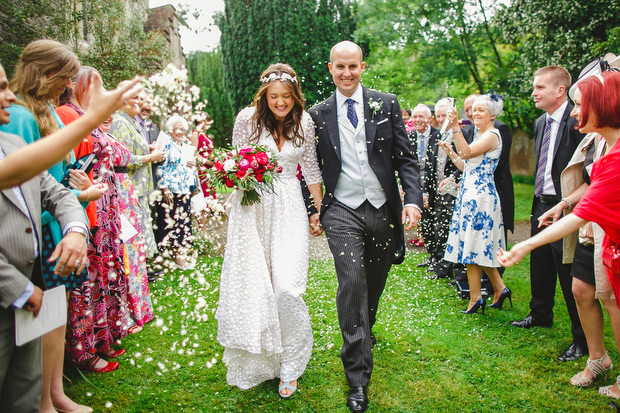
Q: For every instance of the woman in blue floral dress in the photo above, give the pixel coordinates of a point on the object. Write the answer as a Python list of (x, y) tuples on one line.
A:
[(476, 230), (175, 178)]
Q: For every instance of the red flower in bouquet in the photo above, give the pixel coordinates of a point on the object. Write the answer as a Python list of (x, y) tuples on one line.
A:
[(251, 169), (262, 158)]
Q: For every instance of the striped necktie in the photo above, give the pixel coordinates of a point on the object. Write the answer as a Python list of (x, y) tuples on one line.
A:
[(539, 182)]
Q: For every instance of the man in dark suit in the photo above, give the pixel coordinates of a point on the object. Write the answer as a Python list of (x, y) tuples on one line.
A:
[(556, 140), (423, 140), (361, 143), (20, 267), (442, 204), (502, 175)]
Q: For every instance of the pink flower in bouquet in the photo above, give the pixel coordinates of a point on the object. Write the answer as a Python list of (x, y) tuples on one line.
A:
[(254, 164), (245, 151), (279, 170), (244, 164), (229, 183), (262, 158), (219, 165)]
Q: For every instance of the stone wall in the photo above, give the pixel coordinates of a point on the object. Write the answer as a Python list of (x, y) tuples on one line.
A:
[(164, 19), (522, 154)]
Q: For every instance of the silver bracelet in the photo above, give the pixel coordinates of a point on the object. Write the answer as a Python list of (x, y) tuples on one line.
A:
[(570, 206)]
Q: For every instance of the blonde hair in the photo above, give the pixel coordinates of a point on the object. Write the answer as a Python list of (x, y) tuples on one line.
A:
[(41, 64)]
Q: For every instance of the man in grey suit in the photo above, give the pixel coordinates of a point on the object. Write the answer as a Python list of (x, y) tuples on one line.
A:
[(361, 143), (20, 267)]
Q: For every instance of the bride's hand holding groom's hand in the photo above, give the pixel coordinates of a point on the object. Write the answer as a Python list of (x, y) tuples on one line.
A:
[(316, 228)]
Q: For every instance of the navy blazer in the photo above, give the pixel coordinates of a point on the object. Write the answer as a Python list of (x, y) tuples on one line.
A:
[(567, 140)]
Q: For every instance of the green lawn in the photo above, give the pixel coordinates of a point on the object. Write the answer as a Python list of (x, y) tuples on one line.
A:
[(524, 194), (429, 356)]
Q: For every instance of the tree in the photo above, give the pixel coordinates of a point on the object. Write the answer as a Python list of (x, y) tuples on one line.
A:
[(118, 46), (433, 49), (562, 32), (21, 21), (106, 34), (205, 71), (258, 33)]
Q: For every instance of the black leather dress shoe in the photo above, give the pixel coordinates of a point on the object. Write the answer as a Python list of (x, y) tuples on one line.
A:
[(153, 275), (437, 276), (574, 352), (373, 340), (357, 400), (529, 322), (424, 264)]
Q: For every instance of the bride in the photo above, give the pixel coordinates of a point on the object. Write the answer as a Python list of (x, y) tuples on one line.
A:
[(263, 321)]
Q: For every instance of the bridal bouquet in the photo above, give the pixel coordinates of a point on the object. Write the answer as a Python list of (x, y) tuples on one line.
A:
[(251, 169)]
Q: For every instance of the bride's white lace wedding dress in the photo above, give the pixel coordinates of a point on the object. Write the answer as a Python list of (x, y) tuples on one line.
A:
[(263, 321)]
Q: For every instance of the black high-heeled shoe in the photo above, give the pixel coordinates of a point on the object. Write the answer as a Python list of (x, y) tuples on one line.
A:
[(474, 309), (505, 294)]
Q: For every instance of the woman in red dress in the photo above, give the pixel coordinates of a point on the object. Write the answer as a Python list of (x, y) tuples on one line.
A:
[(204, 161), (204, 146)]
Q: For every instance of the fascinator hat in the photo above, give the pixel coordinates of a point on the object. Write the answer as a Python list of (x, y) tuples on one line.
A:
[(610, 62)]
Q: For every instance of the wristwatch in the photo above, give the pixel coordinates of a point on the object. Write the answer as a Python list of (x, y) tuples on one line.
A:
[(79, 230)]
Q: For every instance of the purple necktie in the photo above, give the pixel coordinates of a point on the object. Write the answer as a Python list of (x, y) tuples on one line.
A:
[(539, 183), (351, 114)]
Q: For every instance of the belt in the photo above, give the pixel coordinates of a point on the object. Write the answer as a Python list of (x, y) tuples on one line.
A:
[(120, 169), (549, 199)]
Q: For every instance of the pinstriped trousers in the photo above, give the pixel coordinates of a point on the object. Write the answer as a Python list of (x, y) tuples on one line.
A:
[(363, 244)]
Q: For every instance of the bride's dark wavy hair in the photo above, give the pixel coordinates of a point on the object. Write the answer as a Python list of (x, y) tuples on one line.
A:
[(264, 118)]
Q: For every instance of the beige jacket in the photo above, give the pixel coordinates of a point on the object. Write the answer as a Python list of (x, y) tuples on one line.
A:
[(571, 179)]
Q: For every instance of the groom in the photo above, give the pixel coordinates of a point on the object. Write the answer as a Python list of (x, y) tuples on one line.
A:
[(361, 143)]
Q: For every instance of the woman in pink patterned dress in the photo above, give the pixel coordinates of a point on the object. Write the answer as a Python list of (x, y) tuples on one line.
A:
[(140, 304), (98, 312)]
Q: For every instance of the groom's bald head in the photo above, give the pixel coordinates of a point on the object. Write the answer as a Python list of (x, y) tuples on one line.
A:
[(345, 46)]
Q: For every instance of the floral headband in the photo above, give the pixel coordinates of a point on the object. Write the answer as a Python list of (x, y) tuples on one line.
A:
[(282, 77)]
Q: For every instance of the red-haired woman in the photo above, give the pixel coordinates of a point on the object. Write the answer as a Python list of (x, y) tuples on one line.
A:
[(597, 110), (263, 322)]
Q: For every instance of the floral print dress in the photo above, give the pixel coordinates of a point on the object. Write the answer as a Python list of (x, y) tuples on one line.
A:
[(126, 131), (477, 228), (140, 303), (98, 309)]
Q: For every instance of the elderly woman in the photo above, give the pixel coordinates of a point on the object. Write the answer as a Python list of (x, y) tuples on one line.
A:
[(125, 129), (476, 230), (176, 177), (597, 110)]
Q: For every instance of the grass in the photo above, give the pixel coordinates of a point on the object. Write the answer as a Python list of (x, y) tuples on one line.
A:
[(524, 194), (429, 356)]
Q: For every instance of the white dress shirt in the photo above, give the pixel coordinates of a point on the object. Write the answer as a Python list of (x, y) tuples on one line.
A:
[(548, 187)]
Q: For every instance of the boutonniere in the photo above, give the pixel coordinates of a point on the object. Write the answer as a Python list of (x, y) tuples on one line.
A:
[(375, 106)]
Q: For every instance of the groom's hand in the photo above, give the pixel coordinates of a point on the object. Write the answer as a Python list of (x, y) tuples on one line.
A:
[(315, 225), (411, 216)]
